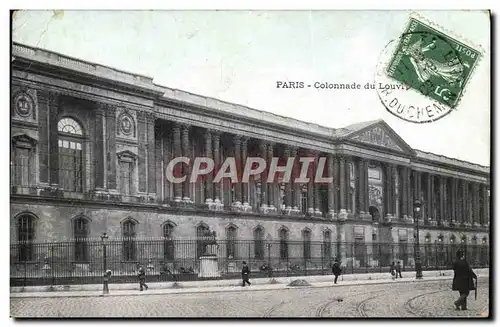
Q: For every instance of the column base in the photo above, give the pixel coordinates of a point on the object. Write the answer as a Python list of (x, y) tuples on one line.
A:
[(318, 213), (310, 211), (467, 225), (216, 205), (264, 209), (342, 216), (388, 218), (331, 214), (365, 216), (209, 201), (246, 207), (433, 223), (271, 209), (445, 223), (236, 206), (295, 211), (475, 224), (177, 199)]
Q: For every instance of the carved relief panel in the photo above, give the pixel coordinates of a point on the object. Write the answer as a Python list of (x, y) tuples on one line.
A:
[(24, 104), (126, 124), (377, 136)]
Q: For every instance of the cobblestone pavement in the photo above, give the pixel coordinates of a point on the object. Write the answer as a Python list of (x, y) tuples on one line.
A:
[(412, 299)]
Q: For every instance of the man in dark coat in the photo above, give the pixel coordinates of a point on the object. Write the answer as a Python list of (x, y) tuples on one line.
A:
[(245, 274), (463, 280), (142, 278), (336, 270), (398, 270)]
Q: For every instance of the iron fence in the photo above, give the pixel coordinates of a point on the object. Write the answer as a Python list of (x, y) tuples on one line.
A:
[(84, 260)]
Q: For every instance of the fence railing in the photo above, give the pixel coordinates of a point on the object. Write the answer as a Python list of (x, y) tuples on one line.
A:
[(83, 261)]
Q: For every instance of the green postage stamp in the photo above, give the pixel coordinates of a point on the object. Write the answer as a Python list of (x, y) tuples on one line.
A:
[(432, 63)]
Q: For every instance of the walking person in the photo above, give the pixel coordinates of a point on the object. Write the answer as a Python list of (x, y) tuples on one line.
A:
[(142, 278), (245, 274), (392, 270), (463, 280), (336, 270), (398, 270)]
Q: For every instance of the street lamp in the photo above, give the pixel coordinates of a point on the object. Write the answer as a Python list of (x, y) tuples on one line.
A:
[(418, 265), (105, 289), (268, 246)]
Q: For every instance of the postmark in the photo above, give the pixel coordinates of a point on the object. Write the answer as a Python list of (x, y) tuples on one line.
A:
[(431, 69)]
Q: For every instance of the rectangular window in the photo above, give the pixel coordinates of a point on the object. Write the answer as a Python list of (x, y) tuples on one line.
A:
[(70, 166), (125, 177), (22, 167)]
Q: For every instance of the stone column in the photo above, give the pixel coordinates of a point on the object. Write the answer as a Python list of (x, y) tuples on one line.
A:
[(317, 198), (99, 149), (187, 168), (360, 188), (141, 151), (430, 198), (44, 100), (244, 185), (217, 163), (404, 198), (288, 185), (441, 199), (342, 186), (331, 187), (263, 178), (296, 186), (486, 206), (271, 186), (150, 146), (459, 201), (111, 147), (410, 193), (465, 207), (447, 213), (394, 176), (54, 140), (237, 186), (453, 200), (388, 187), (177, 153), (209, 177), (310, 186), (367, 187), (476, 212)]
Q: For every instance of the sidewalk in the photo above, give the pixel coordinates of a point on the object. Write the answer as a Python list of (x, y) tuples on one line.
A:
[(260, 284)]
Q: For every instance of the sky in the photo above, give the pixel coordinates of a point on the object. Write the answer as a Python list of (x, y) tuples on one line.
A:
[(239, 56)]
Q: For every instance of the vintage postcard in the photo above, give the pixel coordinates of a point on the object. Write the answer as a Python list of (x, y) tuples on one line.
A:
[(250, 163)]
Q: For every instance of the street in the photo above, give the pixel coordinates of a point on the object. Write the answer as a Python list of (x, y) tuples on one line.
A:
[(411, 299)]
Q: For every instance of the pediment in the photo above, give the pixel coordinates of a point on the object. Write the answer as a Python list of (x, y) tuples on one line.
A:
[(382, 135), (126, 154)]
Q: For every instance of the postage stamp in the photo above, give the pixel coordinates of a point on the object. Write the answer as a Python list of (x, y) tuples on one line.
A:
[(432, 68)]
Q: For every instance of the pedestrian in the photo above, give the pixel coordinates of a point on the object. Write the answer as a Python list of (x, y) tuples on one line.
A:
[(142, 278), (245, 274), (463, 280), (392, 270), (398, 270), (336, 270)]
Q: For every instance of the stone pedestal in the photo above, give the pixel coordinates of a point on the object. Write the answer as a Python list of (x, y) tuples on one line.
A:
[(209, 267)]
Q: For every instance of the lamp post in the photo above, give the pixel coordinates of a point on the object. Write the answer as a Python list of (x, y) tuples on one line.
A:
[(105, 289), (268, 246), (418, 265)]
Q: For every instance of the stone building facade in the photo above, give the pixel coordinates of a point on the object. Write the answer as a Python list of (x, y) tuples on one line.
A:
[(90, 145)]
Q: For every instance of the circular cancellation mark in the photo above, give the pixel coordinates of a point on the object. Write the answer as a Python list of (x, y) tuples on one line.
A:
[(420, 77)]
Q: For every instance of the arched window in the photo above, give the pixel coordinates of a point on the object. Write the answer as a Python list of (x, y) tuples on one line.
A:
[(168, 242), (81, 234), (231, 241), (283, 234), (258, 243), (201, 233), (70, 155), (26, 236), (327, 244), (129, 246), (306, 241)]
